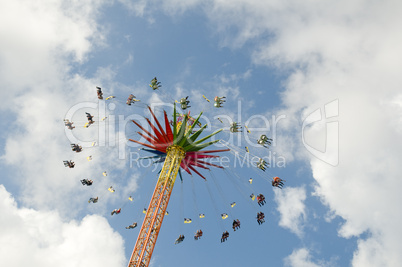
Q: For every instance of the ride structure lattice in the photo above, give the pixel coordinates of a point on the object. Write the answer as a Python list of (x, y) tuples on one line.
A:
[(179, 148)]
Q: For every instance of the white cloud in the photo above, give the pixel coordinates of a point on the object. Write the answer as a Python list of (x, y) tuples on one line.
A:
[(129, 59), (42, 238), (41, 132), (143, 8), (136, 7), (39, 44), (357, 70), (300, 258), (34, 33), (292, 209), (223, 78)]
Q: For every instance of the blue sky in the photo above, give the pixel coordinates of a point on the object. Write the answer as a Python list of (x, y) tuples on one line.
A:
[(324, 75)]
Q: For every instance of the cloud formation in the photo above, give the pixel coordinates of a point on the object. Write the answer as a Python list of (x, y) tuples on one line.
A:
[(300, 258), (37, 54), (42, 238), (292, 209)]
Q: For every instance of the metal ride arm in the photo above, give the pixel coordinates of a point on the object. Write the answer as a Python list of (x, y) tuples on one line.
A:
[(146, 240)]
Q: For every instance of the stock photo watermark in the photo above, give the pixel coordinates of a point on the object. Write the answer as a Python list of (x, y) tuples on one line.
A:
[(330, 152), (137, 160), (111, 129)]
